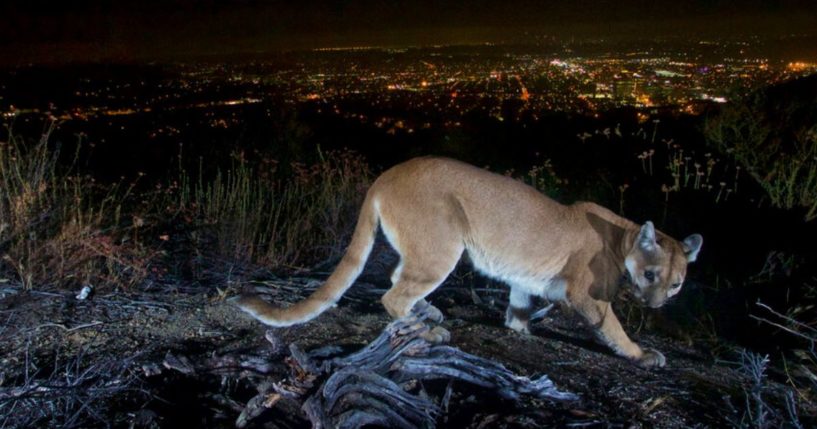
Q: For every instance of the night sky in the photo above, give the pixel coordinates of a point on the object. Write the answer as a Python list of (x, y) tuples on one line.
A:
[(36, 30)]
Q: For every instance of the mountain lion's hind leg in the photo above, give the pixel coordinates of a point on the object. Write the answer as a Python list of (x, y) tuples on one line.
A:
[(417, 278), (405, 294)]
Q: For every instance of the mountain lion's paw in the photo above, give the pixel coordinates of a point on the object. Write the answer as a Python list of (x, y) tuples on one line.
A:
[(437, 335), (518, 326), (434, 314), (651, 359)]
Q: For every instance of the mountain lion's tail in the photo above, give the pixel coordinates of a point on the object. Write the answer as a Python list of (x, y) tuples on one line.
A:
[(327, 295)]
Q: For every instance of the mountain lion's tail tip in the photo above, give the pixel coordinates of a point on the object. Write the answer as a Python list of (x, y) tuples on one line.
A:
[(263, 311), (250, 304)]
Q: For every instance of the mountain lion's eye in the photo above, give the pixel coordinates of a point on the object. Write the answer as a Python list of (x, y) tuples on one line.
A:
[(649, 275)]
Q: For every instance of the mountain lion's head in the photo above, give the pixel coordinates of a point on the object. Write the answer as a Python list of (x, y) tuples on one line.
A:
[(657, 264)]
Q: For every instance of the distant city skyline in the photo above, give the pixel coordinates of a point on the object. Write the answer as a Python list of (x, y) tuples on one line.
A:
[(442, 85), (90, 30)]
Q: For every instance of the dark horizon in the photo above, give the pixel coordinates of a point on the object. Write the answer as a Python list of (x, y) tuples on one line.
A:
[(93, 31)]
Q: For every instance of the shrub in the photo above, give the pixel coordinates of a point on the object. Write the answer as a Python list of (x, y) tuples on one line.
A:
[(61, 228), (773, 133), (544, 178), (263, 214), (58, 227)]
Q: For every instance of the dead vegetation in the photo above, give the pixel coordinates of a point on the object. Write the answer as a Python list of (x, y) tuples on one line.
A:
[(168, 360), (59, 228), (382, 384), (70, 391)]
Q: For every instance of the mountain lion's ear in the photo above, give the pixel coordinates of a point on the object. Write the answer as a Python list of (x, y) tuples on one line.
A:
[(646, 237), (692, 245)]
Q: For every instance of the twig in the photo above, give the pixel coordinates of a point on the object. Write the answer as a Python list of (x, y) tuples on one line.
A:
[(64, 328), (8, 321), (811, 339), (137, 302), (584, 424), (39, 292), (787, 318)]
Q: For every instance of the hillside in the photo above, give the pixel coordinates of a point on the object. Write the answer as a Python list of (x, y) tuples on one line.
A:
[(114, 359)]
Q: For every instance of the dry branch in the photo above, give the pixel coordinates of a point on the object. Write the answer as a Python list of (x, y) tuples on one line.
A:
[(377, 385), (74, 393)]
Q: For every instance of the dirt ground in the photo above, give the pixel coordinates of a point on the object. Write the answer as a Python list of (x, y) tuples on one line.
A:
[(103, 361)]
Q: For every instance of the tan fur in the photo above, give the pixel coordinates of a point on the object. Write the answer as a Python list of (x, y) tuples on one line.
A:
[(433, 209)]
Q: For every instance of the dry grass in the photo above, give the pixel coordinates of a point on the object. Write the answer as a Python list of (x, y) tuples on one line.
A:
[(262, 214), (63, 229), (58, 227)]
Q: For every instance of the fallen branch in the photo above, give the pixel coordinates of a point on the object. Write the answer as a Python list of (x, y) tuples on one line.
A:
[(378, 385)]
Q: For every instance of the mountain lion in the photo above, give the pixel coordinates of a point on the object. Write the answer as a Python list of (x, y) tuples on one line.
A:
[(433, 209)]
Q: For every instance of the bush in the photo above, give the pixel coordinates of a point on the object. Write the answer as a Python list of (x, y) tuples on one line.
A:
[(773, 133), (265, 215), (61, 228), (58, 227)]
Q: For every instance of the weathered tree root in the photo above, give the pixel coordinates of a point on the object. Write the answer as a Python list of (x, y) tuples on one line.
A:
[(374, 385)]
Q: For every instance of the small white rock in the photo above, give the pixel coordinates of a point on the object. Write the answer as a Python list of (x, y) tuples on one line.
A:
[(84, 292)]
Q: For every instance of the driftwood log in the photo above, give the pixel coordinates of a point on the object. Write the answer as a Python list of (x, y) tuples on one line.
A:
[(379, 385)]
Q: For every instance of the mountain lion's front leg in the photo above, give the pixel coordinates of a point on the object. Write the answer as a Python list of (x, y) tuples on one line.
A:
[(599, 314)]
